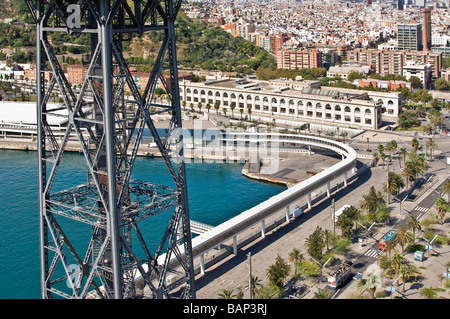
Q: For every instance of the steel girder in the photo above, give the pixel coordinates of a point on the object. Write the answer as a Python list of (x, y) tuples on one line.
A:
[(109, 134)]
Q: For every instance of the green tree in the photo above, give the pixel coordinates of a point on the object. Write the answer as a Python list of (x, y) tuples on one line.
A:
[(428, 293), (441, 206), (414, 225), (269, 291), (346, 220), (441, 85), (397, 261), (309, 268), (372, 283), (278, 272), (403, 238), (446, 189), (416, 82), (315, 244), (431, 145), (295, 257), (232, 107), (372, 203), (415, 144), (403, 152), (394, 184), (226, 294), (254, 284), (322, 294)]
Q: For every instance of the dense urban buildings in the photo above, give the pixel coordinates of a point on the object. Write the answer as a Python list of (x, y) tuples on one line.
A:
[(305, 34)]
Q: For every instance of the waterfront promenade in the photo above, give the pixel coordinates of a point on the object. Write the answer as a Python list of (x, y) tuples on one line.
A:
[(233, 271)]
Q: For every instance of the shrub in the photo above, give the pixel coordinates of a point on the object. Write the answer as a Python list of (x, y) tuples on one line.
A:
[(415, 247)]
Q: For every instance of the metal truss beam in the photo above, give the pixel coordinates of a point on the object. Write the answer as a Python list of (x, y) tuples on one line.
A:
[(110, 205)]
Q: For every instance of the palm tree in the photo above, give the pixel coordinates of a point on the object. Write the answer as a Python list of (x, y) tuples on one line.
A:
[(417, 163), (391, 147), (403, 152), (383, 157), (393, 185), (431, 145), (372, 202), (446, 189), (390, 247), (407, 271), (397, 261), (441, 206), (373, 282), (375, 158), (322, 294), (295, 257), (380, 148), (255, 283), (217, 106), (409, 173), (428, 293), (415, 144), (226, 294), (232, 107), (403, 237), (414, 225), (344, 135)]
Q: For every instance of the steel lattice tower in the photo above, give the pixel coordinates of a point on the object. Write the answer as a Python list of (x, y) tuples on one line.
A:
[(110, 204)]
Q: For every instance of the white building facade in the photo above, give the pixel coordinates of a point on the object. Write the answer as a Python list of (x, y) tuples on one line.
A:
[(308, 105)]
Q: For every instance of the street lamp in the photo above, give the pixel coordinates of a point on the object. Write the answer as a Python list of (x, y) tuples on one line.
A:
[(400, 202)]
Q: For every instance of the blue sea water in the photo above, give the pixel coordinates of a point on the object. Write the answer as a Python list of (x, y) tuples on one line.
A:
[(216, 192)]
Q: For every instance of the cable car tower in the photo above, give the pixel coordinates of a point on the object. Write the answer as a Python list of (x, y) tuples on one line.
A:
[(107, 116)]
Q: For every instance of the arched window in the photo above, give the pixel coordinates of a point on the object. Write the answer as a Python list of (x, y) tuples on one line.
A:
[(195, 91), (337, 108), (347, 109), (188, 90), (368, 112)]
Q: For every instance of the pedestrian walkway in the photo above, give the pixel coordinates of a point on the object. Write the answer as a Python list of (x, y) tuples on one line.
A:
[(371, 253)]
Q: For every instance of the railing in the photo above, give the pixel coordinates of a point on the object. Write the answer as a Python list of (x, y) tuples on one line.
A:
[(238, 224)]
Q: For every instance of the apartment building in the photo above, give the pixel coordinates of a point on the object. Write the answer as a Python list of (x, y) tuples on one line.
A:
[(76, 74), (292, 59), (421, 70), (409, 36), (393, 61), (276, 42), (30, 75)]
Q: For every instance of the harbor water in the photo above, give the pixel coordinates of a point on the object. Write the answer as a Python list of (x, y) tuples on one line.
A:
[(216, 191)]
